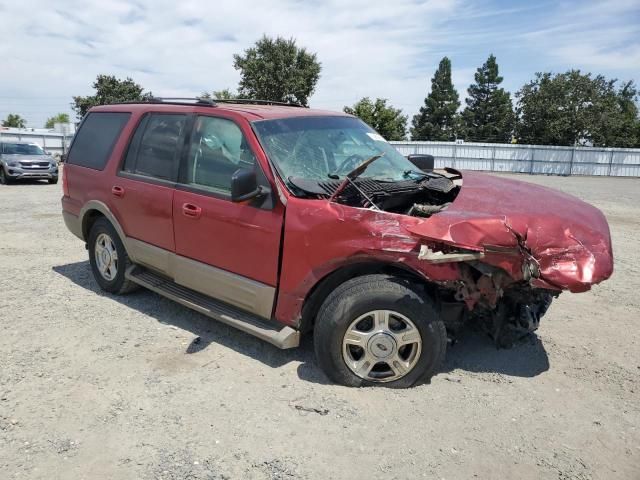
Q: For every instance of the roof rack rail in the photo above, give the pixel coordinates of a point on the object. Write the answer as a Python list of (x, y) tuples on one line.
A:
[(211, 102), (207, 102), (250, 101), (189, 100)]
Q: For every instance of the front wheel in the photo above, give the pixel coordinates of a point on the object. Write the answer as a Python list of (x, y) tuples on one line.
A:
[(379, 330), (53, 181), (4, 178)]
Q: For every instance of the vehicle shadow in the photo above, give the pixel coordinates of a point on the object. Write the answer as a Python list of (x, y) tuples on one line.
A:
[(29, 181), (473, 352), (206, 330)]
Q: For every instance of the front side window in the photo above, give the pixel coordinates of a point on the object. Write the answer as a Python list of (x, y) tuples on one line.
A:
[(154, 149), (218, 149), (323, 147)]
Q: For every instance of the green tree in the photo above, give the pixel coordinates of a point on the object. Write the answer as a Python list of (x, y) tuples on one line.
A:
[(577, 109), (386, 120), (488, 116), (14, 121), (59, 118), (617, 123), (224, 94), (110, 89), (437, 118), (277, 70)]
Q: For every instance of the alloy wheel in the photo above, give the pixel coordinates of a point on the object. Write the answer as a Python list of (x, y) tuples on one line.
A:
[(381, 346), (106, 257)]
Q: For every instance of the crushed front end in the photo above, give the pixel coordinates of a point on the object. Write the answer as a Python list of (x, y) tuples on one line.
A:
[(497, 249)]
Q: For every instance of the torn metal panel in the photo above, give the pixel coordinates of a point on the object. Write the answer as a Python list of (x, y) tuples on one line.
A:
[(432, 256)]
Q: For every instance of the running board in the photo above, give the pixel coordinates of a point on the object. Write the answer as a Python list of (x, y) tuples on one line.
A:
[(286, 337)]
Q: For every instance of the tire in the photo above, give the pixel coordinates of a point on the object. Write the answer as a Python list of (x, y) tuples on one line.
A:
[(359, 303), (114, 281), (52, 181), (4, 179)]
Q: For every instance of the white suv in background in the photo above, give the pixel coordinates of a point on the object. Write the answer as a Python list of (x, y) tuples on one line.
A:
[(22, 160)]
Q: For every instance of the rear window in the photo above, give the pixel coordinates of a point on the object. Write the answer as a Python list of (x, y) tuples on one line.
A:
[(94, 141), (155, 146)]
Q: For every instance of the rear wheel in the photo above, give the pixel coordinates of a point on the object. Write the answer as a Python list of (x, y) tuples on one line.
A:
[(108, 258), (379, 330)]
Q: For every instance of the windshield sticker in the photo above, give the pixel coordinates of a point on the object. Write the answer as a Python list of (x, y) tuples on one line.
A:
[(375, 136)]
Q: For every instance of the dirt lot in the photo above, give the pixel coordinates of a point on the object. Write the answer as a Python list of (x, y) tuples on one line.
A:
[(97, 386)]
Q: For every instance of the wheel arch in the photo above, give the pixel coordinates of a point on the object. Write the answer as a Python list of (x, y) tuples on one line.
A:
[(92, 211), (323, 287)]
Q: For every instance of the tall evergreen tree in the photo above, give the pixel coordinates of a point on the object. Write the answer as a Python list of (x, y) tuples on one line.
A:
[(437, 118), (488, 116)]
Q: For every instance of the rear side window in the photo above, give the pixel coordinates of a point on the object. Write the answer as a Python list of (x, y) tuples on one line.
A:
[(94, 141), (155, 146)]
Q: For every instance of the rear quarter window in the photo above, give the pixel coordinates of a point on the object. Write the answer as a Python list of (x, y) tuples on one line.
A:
[(94, 141)]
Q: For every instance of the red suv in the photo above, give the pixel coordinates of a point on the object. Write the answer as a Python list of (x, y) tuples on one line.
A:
[(281, 220)]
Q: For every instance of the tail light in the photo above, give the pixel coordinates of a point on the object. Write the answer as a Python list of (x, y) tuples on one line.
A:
[(65, 182)]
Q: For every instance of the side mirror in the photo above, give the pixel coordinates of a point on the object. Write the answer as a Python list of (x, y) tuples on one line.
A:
[(425, 163), (244, 185)]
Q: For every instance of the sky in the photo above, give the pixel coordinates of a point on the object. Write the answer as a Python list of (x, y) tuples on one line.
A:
[(52, 50)]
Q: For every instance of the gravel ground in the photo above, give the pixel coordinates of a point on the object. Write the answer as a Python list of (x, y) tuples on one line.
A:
[(98, 386)]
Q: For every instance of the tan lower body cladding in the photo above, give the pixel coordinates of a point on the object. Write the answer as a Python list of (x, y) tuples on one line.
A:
[(236, 290)]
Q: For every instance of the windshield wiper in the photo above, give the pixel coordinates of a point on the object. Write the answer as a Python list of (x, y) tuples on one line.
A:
[(407, 173), (352, 175)]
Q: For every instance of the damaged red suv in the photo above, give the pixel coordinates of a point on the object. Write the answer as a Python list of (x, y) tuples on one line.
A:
[(281, 220)]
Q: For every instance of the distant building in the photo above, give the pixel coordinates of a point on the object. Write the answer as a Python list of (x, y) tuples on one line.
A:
[(55, 141)]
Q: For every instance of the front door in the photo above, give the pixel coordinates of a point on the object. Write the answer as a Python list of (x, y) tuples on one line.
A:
[(227, 250)]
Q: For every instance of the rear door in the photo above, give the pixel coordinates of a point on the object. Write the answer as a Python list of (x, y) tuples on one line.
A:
[(226, 250), (142, 191)]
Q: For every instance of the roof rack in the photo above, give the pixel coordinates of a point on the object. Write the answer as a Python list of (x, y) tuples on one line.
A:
[(185, 100), (210, 102), (207, 102), (250, 101)]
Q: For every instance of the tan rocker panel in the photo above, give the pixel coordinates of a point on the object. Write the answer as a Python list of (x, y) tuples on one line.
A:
[(234, 289), (239, 291)]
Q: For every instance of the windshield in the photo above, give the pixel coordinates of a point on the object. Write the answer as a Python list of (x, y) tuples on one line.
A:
[(317, 148), (21, 149)]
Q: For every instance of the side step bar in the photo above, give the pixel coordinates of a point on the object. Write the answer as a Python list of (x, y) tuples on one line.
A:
[(285, 337)]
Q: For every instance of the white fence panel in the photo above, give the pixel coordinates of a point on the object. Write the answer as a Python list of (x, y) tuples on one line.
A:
[(55, 143), (535, 159)]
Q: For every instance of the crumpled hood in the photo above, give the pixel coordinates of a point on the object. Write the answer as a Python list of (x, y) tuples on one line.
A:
[(568, 238)]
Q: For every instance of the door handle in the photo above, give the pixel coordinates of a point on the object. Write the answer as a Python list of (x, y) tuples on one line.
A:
[(191, 210), (117, 191)]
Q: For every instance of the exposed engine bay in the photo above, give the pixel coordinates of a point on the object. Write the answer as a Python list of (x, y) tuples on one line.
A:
[(424, 196)]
